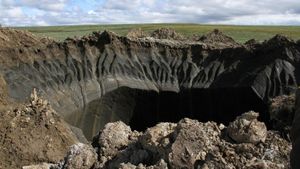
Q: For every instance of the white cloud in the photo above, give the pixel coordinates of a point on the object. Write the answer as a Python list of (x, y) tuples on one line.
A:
[(270, 19), (52, 5), (92, 12), (61, 12)]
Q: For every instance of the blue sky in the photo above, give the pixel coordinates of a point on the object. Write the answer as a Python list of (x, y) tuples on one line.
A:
[(74, 12)]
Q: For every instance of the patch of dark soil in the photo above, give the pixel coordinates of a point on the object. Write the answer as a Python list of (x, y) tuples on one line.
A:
[(282, 111)]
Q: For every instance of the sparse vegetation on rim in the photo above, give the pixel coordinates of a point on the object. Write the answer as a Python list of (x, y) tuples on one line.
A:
[(238, 33)]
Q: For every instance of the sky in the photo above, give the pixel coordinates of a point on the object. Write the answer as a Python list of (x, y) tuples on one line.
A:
[(77, 12)]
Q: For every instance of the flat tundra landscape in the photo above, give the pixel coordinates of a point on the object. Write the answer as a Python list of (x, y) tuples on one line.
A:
[(238, 33)]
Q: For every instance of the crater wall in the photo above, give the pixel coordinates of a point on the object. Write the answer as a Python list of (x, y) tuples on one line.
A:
[(76, 74)]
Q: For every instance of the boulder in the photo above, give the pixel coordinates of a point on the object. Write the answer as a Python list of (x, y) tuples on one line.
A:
[(193, 142), (247, 129), (113, 138), (81, 156), (158, 139)]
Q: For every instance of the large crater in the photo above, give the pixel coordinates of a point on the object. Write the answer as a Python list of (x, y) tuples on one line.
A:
[(141, 81)]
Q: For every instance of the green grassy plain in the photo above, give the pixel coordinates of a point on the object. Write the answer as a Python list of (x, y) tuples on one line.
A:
[(239, 33)]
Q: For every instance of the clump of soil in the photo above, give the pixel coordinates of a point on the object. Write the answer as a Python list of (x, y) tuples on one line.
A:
[(216, 36), (33, 134), (137, 33), (167, 33)]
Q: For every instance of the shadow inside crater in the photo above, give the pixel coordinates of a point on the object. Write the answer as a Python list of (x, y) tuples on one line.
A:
[(142, 109)]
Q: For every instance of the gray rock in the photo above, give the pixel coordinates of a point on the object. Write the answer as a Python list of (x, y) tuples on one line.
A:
[(158, 139), (81, 156), (193, 141), (116, 145), (113, 138)]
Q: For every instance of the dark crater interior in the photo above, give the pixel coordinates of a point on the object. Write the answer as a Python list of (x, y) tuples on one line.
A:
[(142, 109), (219, 105)]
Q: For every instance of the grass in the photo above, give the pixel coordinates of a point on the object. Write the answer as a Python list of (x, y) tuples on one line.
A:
[(239, 33)]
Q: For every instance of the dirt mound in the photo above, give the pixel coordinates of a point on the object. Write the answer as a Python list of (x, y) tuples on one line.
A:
[(216, 36), (279, 40), (20, 38), (136, 33), (33, 134), (167, 33)]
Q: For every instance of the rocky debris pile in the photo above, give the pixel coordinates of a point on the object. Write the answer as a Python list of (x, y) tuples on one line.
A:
[(216, 36), (137, 33), (33, 134), (282, 111), (167, 33), (188, 144)]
